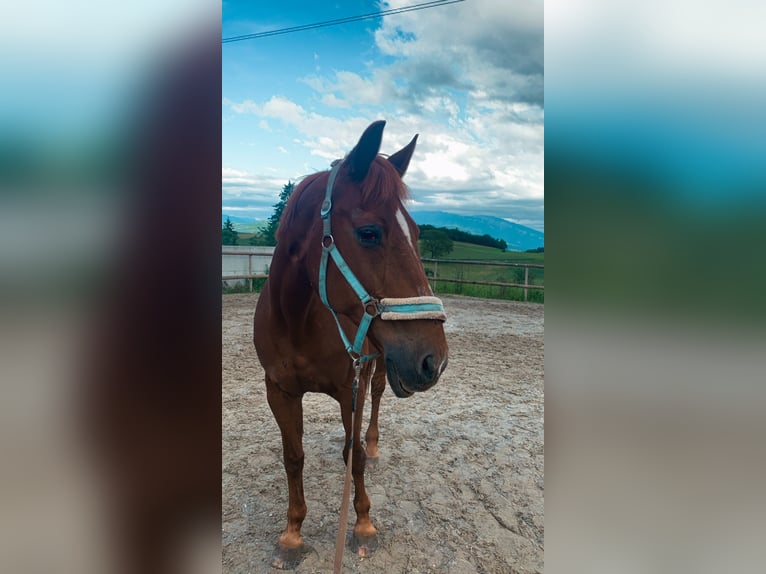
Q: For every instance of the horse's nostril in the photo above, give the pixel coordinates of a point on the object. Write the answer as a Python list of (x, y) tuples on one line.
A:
[(428, 366)]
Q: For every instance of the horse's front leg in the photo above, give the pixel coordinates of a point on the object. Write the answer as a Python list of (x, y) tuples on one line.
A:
[(288, 412), (364, 540), (373, 434)]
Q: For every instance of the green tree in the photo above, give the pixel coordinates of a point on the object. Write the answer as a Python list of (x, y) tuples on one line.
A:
[(258, 239), (436, 242), (270, 235), (228, 235)]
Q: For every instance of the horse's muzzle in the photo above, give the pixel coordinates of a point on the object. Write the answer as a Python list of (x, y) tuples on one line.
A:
[(408, 375)]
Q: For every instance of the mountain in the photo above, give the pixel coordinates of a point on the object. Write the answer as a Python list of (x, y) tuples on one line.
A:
[(518, 237), (236, 219)]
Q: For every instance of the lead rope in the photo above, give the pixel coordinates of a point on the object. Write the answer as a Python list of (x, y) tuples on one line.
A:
[(345, 502)]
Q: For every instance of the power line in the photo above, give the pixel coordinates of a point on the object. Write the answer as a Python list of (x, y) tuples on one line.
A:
[(346, 20)]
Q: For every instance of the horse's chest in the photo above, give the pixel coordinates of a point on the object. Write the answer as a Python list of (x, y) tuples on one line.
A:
[(312, 374)]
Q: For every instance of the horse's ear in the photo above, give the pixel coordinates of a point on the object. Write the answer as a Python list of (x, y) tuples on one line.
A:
[(360, 158), (401, 159)]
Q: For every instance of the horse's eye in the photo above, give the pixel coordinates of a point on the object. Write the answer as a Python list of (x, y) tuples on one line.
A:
[(368, 235)]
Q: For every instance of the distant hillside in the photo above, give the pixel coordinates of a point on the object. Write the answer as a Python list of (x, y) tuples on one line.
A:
[(237, 219), (244, 224), (518, 237), (481, 253)]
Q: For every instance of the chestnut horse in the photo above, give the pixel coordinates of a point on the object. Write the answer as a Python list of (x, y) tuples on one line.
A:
[(346, 293)]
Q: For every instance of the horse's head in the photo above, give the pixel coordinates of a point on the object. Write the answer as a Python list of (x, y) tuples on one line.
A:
[(378, 240)]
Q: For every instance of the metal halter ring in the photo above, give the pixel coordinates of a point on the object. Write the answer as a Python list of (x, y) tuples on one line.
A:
[(372, 307), (324, 241)]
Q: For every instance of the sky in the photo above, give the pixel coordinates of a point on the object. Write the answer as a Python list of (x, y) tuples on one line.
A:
[(467, 77)]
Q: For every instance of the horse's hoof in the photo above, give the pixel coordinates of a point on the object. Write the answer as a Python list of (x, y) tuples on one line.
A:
[(288, 558), (364, 546), (372, 462)]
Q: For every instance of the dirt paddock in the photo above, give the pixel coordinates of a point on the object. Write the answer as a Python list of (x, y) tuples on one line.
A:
[(459, 486)]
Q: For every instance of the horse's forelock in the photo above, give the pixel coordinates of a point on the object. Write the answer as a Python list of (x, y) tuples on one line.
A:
[(383, 184)]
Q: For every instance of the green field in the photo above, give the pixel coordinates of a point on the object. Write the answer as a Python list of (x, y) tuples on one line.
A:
[(466, 272), (481, 253)]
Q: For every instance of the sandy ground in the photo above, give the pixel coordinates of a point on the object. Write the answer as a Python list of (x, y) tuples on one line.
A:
[(459, 486)]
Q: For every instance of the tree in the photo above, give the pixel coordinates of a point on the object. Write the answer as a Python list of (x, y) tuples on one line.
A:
[(258, 239), (228, 235), (436, 242), (465, 237), (270, 234)]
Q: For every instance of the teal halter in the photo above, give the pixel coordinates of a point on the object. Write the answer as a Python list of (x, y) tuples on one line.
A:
[(388, 309)]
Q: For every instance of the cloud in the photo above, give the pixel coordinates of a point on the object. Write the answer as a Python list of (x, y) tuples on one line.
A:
[(467, 77), (485, 160), (244, 186), (334, 102), (375, 90), (231, 174), (488, 45), (322, 135), (525, 212)]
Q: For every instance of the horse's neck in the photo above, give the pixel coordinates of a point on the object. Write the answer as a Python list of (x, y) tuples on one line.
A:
[(294, 298)]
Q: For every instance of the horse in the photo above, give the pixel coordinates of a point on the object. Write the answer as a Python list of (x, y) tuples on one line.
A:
[(346, 260)]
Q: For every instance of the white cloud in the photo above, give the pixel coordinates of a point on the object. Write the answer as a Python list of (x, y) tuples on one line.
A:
[(333, 101), (375, 90), (231, 173), (482, 151), (491, 46), (237, 183), (324, 136), (468, 78)]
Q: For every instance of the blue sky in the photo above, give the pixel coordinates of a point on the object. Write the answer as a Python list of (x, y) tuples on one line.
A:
[(467, 77)]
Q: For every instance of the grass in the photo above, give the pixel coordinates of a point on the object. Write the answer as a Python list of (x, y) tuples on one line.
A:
[(446, 270), (243, 237), (244, 287), (481, 253)]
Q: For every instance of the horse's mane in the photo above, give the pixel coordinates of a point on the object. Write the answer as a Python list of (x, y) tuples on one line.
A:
[(382, 185)]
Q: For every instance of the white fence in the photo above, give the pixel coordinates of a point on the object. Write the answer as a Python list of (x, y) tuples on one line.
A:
[(241, 263)]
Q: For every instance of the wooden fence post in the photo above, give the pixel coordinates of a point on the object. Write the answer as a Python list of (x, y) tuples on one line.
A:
[(436, 268), (250, 270), (526, 281)]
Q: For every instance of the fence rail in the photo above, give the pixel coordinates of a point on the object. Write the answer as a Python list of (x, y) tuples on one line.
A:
[(480, 262), (250, 275), (433, 279), (526, 285)]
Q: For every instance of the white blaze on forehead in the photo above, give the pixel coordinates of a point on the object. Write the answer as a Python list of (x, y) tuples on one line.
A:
[(425, 289), (403, 224)]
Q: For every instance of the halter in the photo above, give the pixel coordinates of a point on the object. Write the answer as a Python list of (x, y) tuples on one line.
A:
[(388, 309)]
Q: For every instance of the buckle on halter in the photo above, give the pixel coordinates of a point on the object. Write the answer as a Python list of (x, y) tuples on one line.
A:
[(372, 307)]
